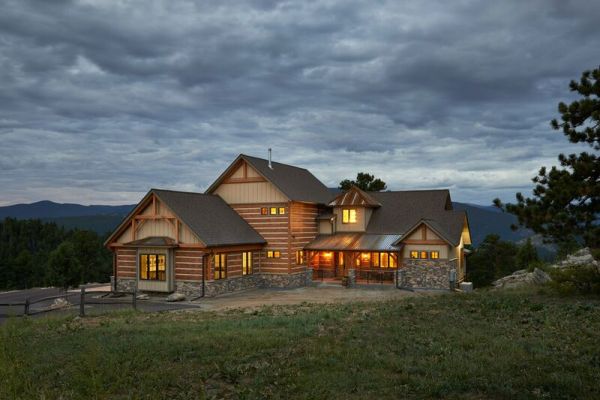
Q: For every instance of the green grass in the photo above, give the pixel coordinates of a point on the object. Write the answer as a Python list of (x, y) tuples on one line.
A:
[(509, 345)]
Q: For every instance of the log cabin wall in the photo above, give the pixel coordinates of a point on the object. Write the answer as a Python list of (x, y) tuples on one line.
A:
[(188, 264), (126, 263), (303, 229), (275, 230)]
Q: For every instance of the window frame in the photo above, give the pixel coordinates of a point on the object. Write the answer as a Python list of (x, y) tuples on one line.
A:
[(272, 210), (347, 214), (281, 210), (156, 257), (299, 257), (264, 211), (414, 254), (247, 267), (220, 267), (273, 253)]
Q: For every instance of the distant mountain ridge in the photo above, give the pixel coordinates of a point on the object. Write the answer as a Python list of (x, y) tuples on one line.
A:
[(48, 209), (483, 220)]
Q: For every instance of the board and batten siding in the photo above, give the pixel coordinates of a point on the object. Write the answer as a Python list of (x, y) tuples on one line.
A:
[(249, 193)]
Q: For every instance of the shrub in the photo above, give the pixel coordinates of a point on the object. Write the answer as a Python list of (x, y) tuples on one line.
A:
[(583, 279)]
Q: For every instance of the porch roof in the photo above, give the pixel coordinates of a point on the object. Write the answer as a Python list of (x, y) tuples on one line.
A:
[(355, 242)]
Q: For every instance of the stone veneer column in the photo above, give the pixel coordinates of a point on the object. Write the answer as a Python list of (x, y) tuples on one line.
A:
[(351, 278), (309, 276)]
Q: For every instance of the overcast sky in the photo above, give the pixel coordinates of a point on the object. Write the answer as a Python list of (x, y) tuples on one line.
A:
[(102, 100)]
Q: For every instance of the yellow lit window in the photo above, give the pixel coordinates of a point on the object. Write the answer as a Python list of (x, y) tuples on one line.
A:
[(264, 211), (341, 259), (349, 216), (375, 259), (385, 260), (414, 254), (299, 257), (270, 254), (220, 266), (434, 255), (246, 263), (273, 211), (153, 267), (281, 210), (276, 254), (393, 261), (423, 254)]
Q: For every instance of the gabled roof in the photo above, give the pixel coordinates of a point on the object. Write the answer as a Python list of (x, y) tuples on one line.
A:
[(212, 220), (153, 241), (354, 197), (297, 184), (400, 211), (355, 242)]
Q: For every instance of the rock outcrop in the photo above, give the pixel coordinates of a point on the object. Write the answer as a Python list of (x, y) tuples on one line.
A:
[(577, 259), (522, 277)]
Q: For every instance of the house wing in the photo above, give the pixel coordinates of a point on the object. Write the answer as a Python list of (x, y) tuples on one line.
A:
[(297, 184)]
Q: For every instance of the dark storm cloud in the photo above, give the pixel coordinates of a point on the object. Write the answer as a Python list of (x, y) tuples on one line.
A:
[(101, 100)]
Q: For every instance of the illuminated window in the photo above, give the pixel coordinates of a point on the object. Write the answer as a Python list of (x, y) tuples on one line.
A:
[(423, 254), (385, 260), (434, 254), (273, 254), (220, 266), (273, 211), (349, 216), (414, 254), (264, 211), (153, 267), (393, 260), (375, 260), (246, 263), (341, 259), (299, 257), (281, 210)]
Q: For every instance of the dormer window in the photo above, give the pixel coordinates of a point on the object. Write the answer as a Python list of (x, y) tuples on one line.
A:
[(349, 216)]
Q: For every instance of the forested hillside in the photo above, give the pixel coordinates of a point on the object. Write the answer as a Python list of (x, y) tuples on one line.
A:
[(36, 253)]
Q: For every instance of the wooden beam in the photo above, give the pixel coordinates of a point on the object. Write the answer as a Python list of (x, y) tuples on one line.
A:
[(424, 242), (245, 180), (132, 229), (177, 231), (154, 205), (423, 232), (138, 217)]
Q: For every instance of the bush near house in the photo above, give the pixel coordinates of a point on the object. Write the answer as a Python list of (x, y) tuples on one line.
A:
[(492, 344)]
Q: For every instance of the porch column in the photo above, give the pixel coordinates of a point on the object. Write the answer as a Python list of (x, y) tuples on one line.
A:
[(351, 277)]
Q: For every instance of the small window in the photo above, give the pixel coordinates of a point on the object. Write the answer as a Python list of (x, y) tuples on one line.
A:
[(414, 254), (434, 255), (349, 216), (270, 254), (276, 254), (300, 257), (220, 266), (273, 211), (281, 210), (246, 263), (264, 211), (423, 254)]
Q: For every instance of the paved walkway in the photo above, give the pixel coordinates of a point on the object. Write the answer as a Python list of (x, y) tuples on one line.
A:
[(321, 293)]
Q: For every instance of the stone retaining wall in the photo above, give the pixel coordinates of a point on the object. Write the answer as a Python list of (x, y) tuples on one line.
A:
[(125, 285), (429, 274)]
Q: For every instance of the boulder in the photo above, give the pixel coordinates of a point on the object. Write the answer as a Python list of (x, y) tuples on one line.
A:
[(60, 303), (176, 297), (579, 258), (521, 278), (142, 296)]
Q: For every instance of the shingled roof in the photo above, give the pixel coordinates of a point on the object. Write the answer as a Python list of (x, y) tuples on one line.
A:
[(212, 220), (297, 184), (401, 210)]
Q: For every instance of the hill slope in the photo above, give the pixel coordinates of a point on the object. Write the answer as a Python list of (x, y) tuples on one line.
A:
[(49, 209)]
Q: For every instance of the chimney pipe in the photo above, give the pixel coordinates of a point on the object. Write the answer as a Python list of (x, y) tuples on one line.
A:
[(270, 165)]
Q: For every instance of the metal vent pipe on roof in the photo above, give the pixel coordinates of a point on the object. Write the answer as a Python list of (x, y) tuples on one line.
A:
[(270, 165)]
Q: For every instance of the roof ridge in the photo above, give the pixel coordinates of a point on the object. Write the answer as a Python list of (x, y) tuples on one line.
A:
[(181, 191), (272, 162), (406, 191)]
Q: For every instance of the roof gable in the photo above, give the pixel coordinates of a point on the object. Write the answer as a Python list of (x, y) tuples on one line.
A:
[(354, 197), (212, 220), (297, 184)]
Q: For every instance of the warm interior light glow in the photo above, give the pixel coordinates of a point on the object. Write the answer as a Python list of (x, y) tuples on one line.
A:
[(365, 256), (327, 254)]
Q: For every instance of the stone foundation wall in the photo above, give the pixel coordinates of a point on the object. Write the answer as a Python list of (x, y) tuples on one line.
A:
[(429, 274), (190, 289), (284, 280), (125, 285), (215, 288)]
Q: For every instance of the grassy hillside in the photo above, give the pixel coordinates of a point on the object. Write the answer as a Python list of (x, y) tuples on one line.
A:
[(485, 345)]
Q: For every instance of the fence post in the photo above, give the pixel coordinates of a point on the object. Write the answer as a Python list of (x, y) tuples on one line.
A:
[(82, 302), (27, 306), (134, 300)]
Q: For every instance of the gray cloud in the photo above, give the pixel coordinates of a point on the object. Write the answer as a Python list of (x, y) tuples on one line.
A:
[(101, 100)]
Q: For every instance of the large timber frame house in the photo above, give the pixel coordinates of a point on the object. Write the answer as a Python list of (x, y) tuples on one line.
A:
[(267, 224)]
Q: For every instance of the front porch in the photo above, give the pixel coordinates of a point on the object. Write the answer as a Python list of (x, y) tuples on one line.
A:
[(364, 267)]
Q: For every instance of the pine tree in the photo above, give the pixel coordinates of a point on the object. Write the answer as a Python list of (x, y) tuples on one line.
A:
[(365, 182), (566, 199), (527, 255)]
